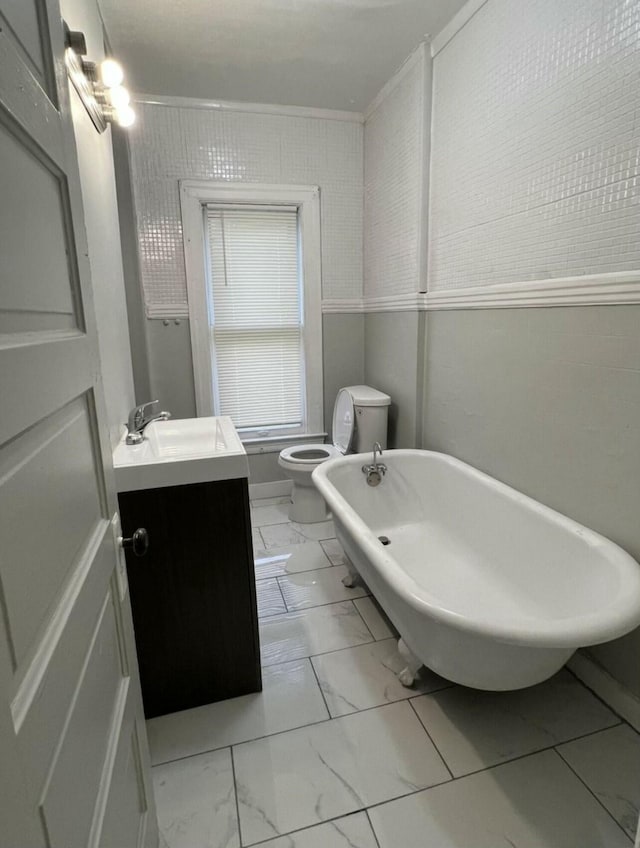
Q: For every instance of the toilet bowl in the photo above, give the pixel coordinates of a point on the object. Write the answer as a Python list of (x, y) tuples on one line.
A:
[(359, 420), (307, 504)]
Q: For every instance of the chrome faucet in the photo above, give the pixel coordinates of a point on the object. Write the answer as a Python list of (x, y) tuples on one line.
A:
[(139, 421), (376, 470)]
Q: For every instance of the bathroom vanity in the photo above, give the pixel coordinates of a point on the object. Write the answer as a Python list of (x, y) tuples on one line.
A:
[(193, 591)]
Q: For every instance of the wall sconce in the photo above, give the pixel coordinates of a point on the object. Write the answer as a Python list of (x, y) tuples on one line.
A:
[(99, 87)]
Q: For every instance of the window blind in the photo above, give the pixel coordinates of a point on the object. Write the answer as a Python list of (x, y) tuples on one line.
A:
[(256, 316)]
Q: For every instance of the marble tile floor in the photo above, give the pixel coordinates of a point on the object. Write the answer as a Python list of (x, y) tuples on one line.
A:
[(335, 753)]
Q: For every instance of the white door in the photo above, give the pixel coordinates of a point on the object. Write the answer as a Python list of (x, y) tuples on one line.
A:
[(74, 768)]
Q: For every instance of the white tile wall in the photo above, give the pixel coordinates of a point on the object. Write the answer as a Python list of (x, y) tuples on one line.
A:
[(536, 143), (392, 187), (171, 143)]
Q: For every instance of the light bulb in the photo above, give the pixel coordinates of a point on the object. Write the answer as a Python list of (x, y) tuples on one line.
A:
[(125, 116), (119, 97), (111, 73)]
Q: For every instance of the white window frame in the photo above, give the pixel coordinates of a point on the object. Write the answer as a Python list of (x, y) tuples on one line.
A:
[(194, 196)]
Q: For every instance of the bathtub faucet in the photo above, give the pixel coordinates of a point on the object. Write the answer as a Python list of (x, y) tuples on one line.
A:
[(376, 470)]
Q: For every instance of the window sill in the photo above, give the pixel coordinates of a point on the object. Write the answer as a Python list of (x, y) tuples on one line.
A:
[(274, 444)]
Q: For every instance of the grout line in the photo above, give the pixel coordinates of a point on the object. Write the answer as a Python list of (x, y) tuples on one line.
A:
[(447, 683), (276, 500), (424, 727), (281, 593), (328, 604), (263, 615), (307, 827), (266, 616), (373, 830), (315, 674), (591, 792), (235, 792), (284, 600), (623, 720), (385, 618), (351, 648), (326, 554), (313, 723), (369, 630), (320, 654), (551, 747), (292, 573), (333, 650), (349, 813), (306, 541), (456, 779), (273, 524), (244, 741), (333, 604)]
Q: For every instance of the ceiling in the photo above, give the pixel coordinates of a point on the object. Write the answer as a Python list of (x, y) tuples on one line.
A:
[(333, 54)]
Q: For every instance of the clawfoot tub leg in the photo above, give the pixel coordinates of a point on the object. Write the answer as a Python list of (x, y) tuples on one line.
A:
[(352, 578), (413, 665)]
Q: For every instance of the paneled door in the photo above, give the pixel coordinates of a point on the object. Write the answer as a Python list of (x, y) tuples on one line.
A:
[(74, 769)]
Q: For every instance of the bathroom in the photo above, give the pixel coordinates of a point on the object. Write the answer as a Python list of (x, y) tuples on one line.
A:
[(456, 185)]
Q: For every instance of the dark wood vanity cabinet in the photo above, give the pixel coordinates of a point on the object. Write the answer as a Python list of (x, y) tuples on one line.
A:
[(193, 594)]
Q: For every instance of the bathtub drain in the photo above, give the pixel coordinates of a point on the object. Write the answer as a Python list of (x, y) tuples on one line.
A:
[(385, 540)]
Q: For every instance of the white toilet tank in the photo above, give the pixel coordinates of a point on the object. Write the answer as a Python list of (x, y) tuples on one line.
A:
[(370, 411)]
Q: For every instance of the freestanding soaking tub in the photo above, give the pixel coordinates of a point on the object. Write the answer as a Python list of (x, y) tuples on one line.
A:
[(486, 586)]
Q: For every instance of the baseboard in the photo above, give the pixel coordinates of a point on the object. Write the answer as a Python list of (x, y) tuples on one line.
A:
[(273, 489), (613, 693)]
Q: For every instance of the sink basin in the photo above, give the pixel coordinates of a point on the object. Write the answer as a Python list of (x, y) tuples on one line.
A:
[(190, 437), (181, 451)]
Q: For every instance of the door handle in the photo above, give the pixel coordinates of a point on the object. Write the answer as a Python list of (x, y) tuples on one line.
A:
[(138, 543)]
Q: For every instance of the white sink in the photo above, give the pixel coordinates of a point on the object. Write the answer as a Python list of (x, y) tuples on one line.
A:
[(181, 451)]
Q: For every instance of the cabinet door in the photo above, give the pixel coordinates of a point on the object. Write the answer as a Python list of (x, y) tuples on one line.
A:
[(193, 594)]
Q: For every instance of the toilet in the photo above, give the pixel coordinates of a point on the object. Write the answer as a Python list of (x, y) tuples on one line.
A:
[(359, 420)]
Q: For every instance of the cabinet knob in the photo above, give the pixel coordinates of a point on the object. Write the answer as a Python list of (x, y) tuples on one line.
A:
[(139, 542)]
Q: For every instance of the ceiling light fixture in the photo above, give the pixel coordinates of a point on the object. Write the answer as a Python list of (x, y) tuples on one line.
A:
[(99, 86)]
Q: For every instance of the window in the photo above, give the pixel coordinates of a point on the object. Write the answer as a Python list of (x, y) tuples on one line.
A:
[(255, 313), (253, 273)]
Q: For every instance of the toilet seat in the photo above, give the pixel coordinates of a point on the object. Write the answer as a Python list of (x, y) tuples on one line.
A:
[(315, 454), (343, 421)]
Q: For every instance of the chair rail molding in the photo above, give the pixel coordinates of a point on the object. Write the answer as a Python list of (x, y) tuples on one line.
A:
[(588, 290), (617, 288)]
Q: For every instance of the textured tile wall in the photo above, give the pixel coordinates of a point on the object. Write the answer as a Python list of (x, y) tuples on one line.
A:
[(392, 188), (170, 144), (536, 143)]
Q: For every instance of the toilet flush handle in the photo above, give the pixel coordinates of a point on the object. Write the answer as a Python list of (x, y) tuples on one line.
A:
[(138, 543)]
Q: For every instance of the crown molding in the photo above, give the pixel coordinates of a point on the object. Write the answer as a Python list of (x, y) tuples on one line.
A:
[(415, 58), (239, 106), (455, 25)]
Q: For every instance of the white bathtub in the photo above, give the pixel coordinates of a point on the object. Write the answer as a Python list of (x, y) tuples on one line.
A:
[(486, 586)]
